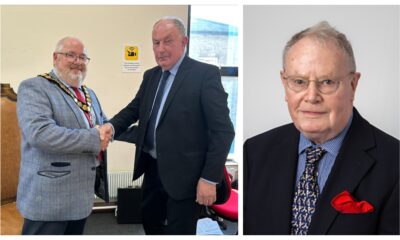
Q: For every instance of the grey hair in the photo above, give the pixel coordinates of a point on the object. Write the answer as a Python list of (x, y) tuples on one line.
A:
[(323, 32), (176, 21), (60, 44)]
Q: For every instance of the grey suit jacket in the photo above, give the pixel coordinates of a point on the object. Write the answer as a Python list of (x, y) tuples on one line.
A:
[(58, 153)]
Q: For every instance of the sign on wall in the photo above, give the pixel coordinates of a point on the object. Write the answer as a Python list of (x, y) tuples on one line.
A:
[(131, 59)]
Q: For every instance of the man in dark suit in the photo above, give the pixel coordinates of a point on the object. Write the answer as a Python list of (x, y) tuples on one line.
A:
[(184, 133), (330, 171)]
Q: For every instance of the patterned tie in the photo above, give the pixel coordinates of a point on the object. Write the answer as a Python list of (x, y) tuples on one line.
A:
[(307, 191), (151, 127)]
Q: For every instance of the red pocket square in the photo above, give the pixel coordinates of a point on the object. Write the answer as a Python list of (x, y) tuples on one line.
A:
[(345, 203)]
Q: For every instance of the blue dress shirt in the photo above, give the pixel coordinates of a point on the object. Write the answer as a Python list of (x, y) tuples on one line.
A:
[(170, 80), (325, 164)]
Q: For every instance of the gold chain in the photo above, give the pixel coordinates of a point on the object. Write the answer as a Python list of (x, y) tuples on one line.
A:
[(86, 107)]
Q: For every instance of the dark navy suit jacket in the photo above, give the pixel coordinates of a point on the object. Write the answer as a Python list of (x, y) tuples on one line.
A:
[(367, 166), (194, 132)]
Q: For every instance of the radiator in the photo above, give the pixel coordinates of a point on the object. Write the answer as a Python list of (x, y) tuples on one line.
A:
[(122, 179)]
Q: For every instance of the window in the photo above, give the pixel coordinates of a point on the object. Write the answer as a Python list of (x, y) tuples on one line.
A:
[(213, 38)]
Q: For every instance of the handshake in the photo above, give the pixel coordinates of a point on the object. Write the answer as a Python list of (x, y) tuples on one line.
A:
[(106, 134)]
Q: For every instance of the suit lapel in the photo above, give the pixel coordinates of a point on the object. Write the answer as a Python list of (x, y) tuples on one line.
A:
[(74, 108), (96, 111), (179, 78), (149, 98), (351, 165), (283, 173)]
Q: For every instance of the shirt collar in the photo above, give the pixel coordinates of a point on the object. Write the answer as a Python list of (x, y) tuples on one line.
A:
[(175, 68), (332, 146)]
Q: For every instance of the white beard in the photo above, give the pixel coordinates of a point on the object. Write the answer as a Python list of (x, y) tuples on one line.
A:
[(74, 79)]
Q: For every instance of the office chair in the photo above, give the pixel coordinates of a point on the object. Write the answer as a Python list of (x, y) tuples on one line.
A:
[(227, 210)]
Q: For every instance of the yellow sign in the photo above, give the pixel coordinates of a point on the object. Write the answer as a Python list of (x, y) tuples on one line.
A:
[(131, 53)]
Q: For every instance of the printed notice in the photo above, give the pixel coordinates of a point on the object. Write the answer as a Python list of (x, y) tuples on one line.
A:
[(131, 60)]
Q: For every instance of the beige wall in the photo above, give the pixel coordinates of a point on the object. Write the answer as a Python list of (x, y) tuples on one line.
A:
[(29, 35)]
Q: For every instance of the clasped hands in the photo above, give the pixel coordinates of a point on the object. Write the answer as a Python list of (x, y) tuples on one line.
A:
[(106, 134)]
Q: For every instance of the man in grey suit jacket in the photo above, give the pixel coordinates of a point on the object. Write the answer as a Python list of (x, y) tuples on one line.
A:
[(63, 155)]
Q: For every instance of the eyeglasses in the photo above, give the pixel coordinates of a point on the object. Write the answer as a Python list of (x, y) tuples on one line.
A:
[(71, 57), (324, 86)]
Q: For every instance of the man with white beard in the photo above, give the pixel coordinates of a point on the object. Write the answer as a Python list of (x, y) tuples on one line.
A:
[(63, 158)]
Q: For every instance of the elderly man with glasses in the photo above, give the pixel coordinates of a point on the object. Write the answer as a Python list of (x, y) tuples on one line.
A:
[(63, 158), (330, 171)]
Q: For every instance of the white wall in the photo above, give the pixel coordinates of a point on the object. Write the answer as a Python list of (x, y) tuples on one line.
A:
[(374, 34), (29, 35)]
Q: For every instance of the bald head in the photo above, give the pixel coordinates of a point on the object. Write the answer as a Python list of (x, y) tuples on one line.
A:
[(67, 41), (177, 22)]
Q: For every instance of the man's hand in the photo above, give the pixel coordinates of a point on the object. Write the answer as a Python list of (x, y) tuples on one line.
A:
[(106, 133), (206, 193)]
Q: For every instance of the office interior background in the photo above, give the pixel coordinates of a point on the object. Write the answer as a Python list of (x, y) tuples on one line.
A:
[(29, 35)]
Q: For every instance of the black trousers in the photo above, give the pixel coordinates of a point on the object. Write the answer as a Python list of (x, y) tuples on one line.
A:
[(74, 227), (162, 214)]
